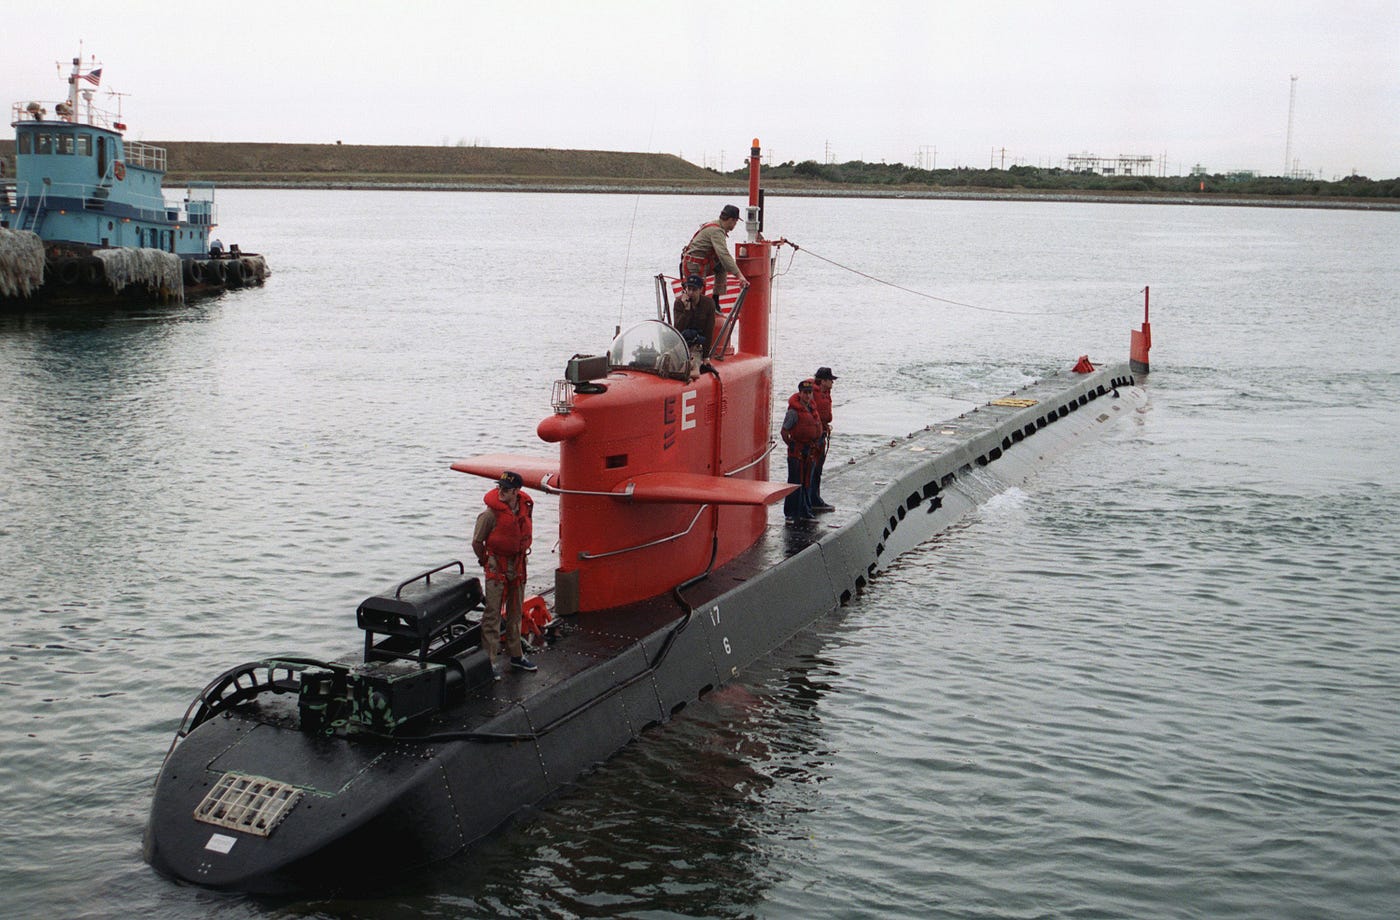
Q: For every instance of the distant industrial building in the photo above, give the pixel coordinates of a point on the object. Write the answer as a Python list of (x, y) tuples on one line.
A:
[(1121, 165)]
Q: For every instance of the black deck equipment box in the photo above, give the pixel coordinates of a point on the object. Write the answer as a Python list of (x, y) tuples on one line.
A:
[(415, 613)]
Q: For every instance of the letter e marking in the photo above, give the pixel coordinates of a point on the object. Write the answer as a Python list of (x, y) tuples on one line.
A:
[(687, 410)]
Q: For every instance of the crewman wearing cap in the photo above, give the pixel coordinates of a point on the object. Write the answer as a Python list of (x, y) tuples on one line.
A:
[(501, 542), (708, 252), (694, 313), (822, 397), (802, 429)]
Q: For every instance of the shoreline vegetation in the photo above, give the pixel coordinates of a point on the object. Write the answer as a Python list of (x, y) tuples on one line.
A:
[(345, 166)]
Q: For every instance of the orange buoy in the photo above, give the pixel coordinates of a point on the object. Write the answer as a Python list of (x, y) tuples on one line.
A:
[(534, 618)]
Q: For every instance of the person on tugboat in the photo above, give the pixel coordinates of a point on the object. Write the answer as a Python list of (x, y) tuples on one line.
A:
[(501, 542)]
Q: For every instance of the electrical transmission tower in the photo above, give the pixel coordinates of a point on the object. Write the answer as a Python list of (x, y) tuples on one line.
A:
[(1288, 144)]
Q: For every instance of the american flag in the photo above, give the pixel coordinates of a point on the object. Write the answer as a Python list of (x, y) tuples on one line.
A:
[(94, 77)]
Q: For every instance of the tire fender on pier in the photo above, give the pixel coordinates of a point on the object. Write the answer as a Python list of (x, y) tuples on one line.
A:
[(68, 272)]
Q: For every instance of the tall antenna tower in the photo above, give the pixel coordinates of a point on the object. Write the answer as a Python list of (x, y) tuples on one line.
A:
[(1288, 145)]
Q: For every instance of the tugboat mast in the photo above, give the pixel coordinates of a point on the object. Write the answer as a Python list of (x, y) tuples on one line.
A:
[(93, 76)]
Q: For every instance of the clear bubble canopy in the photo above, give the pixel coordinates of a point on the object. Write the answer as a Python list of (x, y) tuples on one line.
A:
[(650, 346)]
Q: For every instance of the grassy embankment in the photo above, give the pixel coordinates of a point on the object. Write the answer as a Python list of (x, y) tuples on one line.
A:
[(335, 165), (474, 168)]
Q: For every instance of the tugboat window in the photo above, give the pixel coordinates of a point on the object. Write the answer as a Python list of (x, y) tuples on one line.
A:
[(26, 142), (65, 144), (84, 145), (45, 143), (651, 346)]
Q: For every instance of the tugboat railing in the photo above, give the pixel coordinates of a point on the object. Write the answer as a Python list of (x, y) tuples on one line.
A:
[(96, 196), (147, 156), (87, 114), (28, 219)]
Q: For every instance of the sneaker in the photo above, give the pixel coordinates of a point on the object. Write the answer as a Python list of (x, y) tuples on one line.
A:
[(524, 664), (823, 507)]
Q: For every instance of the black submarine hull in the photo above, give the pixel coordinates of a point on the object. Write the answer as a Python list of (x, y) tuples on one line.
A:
[(364, 809)]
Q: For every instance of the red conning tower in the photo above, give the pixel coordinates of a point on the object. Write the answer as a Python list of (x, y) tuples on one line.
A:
[(660, 477)]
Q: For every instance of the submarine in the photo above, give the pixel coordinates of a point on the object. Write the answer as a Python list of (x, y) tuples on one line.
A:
[(295, 775)]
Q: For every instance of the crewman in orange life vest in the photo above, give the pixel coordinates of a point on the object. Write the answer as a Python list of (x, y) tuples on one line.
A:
[(802, 431), (822, 397), (501, 542)]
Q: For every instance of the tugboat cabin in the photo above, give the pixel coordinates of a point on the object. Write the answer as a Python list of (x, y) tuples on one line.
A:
[(78, 180)]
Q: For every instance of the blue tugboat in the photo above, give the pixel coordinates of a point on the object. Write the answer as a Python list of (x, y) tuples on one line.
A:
[(86, 219)]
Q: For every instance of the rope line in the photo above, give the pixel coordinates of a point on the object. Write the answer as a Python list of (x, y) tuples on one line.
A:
[(627, 259), (927, 296)]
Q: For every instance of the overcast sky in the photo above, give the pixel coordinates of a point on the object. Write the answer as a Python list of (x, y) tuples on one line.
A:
[(1194, 82)]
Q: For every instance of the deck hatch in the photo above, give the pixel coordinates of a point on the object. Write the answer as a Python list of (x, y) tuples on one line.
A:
[(249, 804)]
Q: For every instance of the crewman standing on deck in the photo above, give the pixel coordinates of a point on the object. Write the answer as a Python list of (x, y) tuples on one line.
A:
[(501, 542), (802, 429), (707, 253), (822, 397)]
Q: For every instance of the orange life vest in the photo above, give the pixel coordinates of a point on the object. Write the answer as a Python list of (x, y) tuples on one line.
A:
[(823, 400), (509, 539), (807, 430)]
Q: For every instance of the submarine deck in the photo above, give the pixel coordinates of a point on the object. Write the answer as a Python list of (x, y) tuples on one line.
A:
[(887, 501)]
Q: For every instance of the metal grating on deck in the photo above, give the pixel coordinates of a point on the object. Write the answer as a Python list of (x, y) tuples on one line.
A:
[(249, 804)]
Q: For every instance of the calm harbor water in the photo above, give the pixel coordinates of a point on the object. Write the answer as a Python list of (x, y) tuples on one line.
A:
[(1161, 679)]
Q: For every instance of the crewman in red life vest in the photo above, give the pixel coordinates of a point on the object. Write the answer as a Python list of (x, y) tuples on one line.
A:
[(822, 397), (802, 430), (707, 253), (501, 542)]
